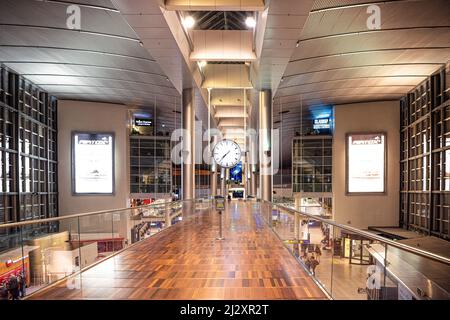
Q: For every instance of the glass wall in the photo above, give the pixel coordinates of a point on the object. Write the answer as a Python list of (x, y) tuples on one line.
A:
[(28, 157), (312, 164), (425, 157), (150, 165)]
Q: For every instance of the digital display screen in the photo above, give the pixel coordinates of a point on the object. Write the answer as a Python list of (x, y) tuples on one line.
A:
[(93, 163), (320, 124), (366, 163), (142, 122), (236, 173)]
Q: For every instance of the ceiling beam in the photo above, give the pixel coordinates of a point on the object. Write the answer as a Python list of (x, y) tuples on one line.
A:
[(362, 32), (79, 50), (366, 66), (353, 78), (364, 4), (348, 53), (100, 34)]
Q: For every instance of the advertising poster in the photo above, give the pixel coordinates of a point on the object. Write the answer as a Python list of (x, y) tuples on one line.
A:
[(93, 163), (366, 163)]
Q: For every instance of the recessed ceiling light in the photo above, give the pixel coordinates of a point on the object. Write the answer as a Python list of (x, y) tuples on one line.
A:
[(188, 22), (250, 22)]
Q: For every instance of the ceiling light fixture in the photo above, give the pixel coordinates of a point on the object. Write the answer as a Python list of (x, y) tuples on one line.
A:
[(250, 22), (188, 22)]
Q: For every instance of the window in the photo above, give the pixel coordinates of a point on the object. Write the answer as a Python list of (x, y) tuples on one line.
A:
[(425, 157)]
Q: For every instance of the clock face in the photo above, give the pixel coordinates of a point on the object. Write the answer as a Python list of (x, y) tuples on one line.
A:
[(227, 153)]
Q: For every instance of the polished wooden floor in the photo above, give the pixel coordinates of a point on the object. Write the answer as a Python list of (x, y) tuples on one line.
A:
[(186, 262)]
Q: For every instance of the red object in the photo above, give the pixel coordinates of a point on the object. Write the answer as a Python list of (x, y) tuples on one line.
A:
[(16, 272), (9, 263)]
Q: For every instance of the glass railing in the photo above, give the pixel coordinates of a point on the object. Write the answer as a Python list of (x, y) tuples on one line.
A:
[(36, 254), (345, 262), (349, 263)]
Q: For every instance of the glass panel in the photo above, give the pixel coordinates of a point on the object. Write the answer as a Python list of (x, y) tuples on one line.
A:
[(358, 267), (45, 252), (319, 251)]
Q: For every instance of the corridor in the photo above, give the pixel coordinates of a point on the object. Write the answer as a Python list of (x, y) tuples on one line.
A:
[(186, 261)]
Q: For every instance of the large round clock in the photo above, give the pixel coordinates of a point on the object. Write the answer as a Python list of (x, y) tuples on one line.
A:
[(227, 153)]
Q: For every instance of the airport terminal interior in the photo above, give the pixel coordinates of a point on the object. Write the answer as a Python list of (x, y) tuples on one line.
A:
[(224, 149)]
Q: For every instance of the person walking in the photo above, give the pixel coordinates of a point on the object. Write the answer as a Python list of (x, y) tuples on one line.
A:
[(313, 264), (22, 285), (13, 288), (307, 262), (318, 253), (3, 292)]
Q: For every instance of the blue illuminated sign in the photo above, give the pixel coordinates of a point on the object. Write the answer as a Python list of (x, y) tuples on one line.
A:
[(236, 173)]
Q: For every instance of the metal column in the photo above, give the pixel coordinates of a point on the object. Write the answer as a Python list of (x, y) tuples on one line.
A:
[(213, 176), (188, 115), (222, 182), (265, 144)]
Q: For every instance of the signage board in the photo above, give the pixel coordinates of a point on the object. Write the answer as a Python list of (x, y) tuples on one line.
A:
[(220, 204), (92, 163), (366, 163), (143, 122), (323, 123)]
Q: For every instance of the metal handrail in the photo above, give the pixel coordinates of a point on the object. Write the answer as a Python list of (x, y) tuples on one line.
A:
[(86, 214), (369, 235), (366, 234)]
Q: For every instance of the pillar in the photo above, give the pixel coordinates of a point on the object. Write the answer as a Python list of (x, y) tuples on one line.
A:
[(213, 176), (222, 182), (253, 180), (188, 123), (265, 144), (297, 217)]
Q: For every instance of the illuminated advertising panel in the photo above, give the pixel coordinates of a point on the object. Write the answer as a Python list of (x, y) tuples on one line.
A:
[(92, 163), (366, 163)]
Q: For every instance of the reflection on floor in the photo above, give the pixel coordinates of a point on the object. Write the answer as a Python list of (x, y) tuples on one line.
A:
[(186, 262)]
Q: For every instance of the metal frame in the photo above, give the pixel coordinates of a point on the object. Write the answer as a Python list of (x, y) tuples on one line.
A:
[(28, 104), (424, 112), (347, 162), (321, 137), (72, 157), (140, 166), (366, 234)]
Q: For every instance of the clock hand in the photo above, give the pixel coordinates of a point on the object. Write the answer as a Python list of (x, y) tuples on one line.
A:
[(224, 155)]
